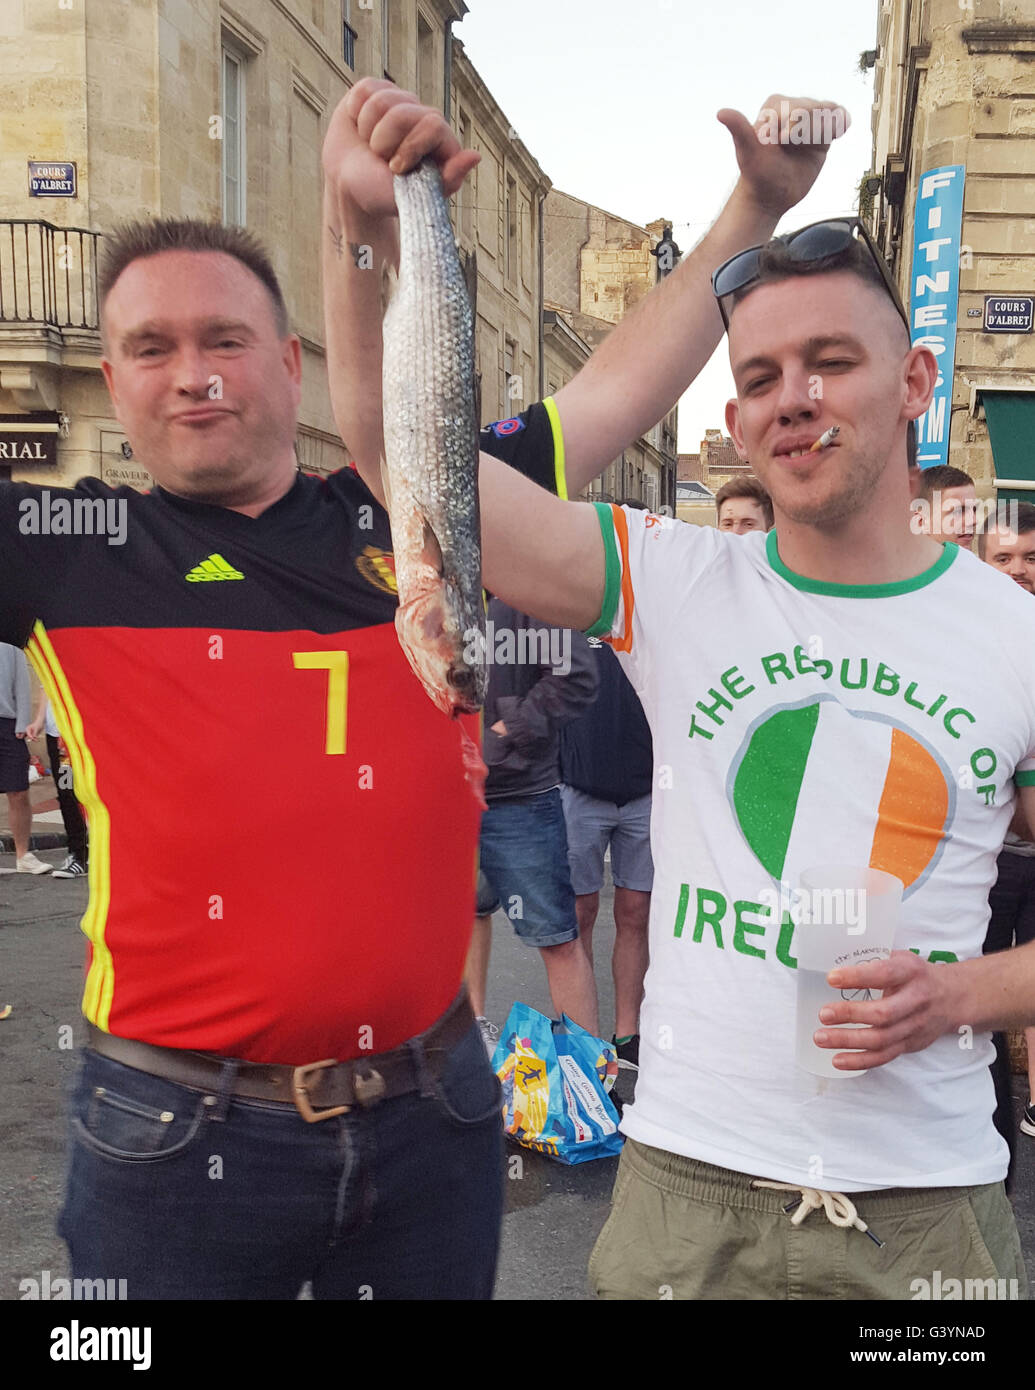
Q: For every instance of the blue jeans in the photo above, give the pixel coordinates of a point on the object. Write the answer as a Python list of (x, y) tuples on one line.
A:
[(188, 1195)]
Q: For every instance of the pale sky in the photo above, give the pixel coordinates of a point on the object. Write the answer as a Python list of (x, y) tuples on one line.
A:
[(616, 99)]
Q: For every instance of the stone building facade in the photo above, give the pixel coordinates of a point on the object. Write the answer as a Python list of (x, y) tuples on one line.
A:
[(705, 473), (720, 461), (218, 110), (955, 86), (688, 469), (715, 464), (596, 268), (498, 218)]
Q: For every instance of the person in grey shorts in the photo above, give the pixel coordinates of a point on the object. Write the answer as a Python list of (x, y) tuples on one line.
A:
[(15, 709), (606, 771)]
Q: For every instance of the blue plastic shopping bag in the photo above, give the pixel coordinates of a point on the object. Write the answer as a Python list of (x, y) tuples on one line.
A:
[(555, 1079)]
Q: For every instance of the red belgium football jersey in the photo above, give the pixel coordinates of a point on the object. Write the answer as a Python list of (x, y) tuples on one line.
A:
[(282, 842)]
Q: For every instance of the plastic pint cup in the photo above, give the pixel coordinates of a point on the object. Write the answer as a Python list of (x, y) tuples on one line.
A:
[(843, 916)]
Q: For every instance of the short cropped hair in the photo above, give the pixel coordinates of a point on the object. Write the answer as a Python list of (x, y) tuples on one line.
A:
[(1018, 517), (747, 486), (133, 241), (941, 478), (775, 263), (635, 503)]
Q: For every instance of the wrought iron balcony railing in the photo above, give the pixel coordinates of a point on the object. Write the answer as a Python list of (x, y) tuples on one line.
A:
[(48, 274)]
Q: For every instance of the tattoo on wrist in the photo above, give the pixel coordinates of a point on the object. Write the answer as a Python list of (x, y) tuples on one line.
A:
[(339, 240)]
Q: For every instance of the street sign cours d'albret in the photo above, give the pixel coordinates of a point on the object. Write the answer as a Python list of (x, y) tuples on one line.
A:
[(52, 180), (1008, 313)]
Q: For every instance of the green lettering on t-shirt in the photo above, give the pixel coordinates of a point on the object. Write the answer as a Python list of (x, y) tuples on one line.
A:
[(776, 662), (709, 916), (783, 945), (684, 898), (741, 927)]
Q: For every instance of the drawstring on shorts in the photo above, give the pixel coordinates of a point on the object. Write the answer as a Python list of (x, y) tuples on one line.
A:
[(839, 1210)]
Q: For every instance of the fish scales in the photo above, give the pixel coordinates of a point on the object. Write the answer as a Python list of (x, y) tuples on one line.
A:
[(430, 467)]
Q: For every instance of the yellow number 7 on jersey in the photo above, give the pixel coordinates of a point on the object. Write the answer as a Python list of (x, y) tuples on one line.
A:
[(336, 664)]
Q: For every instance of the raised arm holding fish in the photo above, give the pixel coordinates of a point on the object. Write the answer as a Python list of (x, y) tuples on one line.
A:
[(543, 555)]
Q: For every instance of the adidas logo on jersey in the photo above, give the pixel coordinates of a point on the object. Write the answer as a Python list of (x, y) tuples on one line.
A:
[(215, 567)]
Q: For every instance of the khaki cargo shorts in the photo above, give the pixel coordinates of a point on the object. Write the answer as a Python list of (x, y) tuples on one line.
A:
[(684, 1229)]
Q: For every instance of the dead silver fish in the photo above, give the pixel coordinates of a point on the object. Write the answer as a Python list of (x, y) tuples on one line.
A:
[(430, 468)]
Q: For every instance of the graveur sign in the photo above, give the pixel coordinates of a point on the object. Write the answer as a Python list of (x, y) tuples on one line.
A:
[(1008, 313), (52, 180), (28, 439)]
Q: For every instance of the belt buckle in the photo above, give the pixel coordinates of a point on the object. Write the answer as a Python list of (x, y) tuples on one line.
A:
[(301, 1094)]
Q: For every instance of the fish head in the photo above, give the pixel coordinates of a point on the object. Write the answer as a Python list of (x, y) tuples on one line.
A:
[(446, 652)]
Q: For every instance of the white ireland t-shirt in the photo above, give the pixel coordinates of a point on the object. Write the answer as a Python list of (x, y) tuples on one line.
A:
[(798, 723)]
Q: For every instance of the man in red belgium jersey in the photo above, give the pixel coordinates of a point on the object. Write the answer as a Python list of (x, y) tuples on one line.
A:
[(283, 1081)]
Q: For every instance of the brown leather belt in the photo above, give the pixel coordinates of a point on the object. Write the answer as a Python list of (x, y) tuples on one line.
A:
[(318, 1090)]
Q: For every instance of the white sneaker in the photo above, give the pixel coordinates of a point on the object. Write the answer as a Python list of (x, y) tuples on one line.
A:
[(71, 868), (29, 864)]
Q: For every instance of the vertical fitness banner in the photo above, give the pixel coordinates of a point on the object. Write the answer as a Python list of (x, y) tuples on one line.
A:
[(934, 297)]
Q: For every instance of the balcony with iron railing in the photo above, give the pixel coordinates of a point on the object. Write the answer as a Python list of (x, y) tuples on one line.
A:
[(48, 277)]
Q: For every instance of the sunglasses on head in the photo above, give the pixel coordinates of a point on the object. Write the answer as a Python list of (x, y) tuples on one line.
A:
[(812, 243)]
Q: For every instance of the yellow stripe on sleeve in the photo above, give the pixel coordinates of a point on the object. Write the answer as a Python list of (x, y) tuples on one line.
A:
[(560, 478)]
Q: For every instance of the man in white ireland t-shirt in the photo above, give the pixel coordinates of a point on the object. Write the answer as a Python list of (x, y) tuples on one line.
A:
[(805, 708)]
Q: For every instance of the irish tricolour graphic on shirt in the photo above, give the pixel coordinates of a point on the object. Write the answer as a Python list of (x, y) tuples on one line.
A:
[(817, 783)]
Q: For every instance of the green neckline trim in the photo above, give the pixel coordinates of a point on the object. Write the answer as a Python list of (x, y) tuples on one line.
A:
[(612, 574), (834, 590)]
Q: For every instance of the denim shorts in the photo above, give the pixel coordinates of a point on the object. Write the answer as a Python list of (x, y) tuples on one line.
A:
[(592, 826), (524, 858)]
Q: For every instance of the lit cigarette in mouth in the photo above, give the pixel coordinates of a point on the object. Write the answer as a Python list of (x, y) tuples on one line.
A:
[(824, 439)]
